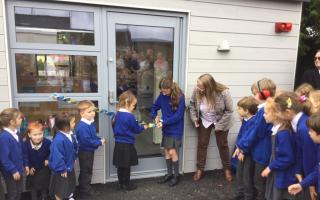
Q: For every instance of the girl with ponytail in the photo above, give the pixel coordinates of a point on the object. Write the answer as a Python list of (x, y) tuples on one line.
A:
[(172, 105)]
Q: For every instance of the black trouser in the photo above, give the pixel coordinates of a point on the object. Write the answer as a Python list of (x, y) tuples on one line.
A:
[(123, 176), (86, 165), (14, 188), (259, 181), (34, 194), (245, 172), (1, 190)]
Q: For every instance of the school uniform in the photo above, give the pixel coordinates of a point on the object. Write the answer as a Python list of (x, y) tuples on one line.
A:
[(61, 159), (125, 155), (172, 120), (88, 142), (314, 177), (11, 160), (245, 168), (258, 144), (2, 197), (34, 156), (282, 165)]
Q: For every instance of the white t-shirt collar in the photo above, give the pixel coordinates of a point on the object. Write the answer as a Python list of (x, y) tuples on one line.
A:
[(13, 133)]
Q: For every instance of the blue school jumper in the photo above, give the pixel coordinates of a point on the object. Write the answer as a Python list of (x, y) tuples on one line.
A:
[(246, 126), (126, 127), (87, 137), (35, 158), (258, 140), (314, 177), (11, 158), (283, 164), (306, 148), (173, 122), (62, 154)]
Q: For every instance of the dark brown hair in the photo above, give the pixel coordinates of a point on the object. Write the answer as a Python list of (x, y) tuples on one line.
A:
[(62, 121), (176, 93), (7, 115), (249, 103), (314, 122)]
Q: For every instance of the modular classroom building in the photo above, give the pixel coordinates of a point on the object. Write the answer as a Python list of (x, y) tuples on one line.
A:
[(96, 49)]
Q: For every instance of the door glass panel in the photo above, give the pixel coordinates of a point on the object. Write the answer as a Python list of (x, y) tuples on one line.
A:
[(48, 73), (144, 55), (40, 25), (45, 112)]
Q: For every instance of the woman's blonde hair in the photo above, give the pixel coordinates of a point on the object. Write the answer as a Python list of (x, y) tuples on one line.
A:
[(212, 88)]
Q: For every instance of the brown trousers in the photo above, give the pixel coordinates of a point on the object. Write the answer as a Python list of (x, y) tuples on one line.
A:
[(203, 141)]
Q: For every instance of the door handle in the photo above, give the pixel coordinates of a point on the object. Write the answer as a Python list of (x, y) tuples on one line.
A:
[(112, 97)]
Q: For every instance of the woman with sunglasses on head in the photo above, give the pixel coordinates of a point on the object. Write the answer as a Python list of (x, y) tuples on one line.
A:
[(211, 108), (312, 76)]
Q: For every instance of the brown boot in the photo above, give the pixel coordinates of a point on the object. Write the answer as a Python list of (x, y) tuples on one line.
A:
[(198, 175), (228, 175)]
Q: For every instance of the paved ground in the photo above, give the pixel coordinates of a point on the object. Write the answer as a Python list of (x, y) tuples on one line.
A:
[(212, 186)]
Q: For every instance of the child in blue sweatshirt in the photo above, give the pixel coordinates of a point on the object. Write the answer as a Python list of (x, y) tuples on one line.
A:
[(88, 142), (36, 150), (247, 108), (313, 178), (306, 153), (62, 157), (11, 157), (281, 169), (125, 127), (258, 141), (172, 104)]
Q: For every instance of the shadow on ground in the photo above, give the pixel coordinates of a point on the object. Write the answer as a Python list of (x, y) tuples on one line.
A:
[(212, 186)]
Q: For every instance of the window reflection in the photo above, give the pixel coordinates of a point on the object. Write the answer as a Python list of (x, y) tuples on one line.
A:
[(144, 55), (45, 112), (39, 25), (48, 73)]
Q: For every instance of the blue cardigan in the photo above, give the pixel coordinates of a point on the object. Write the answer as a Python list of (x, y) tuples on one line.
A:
[(11, 158), (246, 126), (173, 120), (62, 154), (35, 158), (314, 177), (126, 127), (306, 148), (87, 137), (258, 141), (283, 164)]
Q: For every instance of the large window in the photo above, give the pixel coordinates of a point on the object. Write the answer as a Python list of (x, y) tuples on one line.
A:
[(40, 25), (48, 73)]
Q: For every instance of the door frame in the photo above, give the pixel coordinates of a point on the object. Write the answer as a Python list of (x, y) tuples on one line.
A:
[(179, 76)]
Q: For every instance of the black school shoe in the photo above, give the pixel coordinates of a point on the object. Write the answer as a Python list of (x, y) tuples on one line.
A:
[(174, 181), (165, 179), (129, 187)]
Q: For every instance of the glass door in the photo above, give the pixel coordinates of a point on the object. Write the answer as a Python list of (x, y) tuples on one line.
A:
[(141, 50)]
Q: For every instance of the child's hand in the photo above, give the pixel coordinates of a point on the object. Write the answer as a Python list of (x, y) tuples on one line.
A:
[(26, 169), (241, 156), (32, 171), (265, 173), (236, 153), (64, 175), (46, 162), (294, 189), (16, 176), (159, 125), (157, 119), (313, 193), (103, 141), (196, 124), (145, 126)]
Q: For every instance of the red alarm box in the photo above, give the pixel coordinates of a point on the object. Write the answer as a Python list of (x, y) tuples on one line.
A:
[(283, 27)]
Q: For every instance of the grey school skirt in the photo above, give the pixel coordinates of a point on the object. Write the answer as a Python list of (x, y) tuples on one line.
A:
[(169, 142)]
